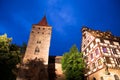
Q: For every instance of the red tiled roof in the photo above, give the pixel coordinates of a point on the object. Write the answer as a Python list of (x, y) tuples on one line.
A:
[(43, 22)]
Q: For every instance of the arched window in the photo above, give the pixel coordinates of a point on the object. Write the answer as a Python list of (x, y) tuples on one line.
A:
[(37, 50), (116, 77)]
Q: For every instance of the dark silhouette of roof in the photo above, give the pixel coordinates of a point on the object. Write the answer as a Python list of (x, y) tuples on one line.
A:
[(43, 22)]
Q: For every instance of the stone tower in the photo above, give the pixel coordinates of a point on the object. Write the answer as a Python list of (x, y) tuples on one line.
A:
[(39, 42), (35, 61)]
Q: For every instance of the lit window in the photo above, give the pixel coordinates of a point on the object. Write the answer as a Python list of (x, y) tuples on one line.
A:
[(104, 49), (108, 60), (91, 55), (99, 62), (96, 51)]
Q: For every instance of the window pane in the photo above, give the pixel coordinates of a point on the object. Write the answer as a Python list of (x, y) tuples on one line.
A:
[(96, 51), (104, 49), (91, 56)]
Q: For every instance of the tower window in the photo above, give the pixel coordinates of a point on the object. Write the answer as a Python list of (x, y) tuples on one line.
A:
[(38, 42), (32, 31), (43, 28), (37, 50)]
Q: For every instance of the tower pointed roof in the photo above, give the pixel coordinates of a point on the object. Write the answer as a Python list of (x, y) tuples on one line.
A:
[(43, 22)]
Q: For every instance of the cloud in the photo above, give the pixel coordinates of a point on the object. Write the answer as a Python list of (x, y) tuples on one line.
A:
[(62, 15)]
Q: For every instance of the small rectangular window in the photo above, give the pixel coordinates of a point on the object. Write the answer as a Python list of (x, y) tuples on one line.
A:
[(108, 60), (91, 56), (104, 49)]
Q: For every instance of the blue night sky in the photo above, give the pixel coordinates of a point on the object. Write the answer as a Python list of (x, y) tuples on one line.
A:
[(65, 16)]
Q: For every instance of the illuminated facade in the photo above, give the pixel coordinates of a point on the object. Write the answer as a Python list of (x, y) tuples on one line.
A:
[(37, 64), (101, 51)]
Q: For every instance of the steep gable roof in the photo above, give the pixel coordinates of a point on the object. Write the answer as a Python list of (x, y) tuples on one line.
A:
[(43, 22)]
